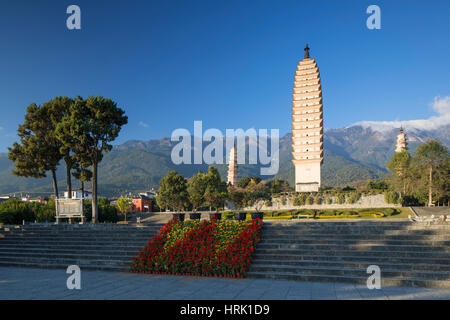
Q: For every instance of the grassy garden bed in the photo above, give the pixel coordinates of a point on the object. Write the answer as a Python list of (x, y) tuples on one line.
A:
[(335, 214), (206, 248)]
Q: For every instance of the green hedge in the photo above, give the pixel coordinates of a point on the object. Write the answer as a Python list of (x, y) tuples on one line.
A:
[(14, 211)]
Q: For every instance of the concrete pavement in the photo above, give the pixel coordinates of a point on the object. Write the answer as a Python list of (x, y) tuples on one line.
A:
[(29, 283)]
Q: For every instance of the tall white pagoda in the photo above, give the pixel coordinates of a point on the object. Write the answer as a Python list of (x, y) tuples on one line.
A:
[(401, 141), (233, 168), (307, 125)]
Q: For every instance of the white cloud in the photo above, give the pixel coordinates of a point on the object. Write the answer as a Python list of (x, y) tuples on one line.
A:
[(440, 105), (143, 124)]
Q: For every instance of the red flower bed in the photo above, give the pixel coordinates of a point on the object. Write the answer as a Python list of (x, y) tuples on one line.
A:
[(199, 252)]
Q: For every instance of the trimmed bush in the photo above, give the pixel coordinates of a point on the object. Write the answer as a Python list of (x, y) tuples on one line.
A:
[(341, 198), (391, 197)]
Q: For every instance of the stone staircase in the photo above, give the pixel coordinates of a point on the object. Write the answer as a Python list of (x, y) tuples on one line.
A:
[(408, 254), (91, 247)]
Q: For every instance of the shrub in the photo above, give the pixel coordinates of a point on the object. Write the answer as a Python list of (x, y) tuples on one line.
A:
[(391, 197), (14, 211), (228, 215), (341, 198), (299, 200), (106, 212), (354, 197), (47, 212)]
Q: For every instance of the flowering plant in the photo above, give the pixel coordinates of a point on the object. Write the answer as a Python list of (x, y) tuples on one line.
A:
[(210, 248)]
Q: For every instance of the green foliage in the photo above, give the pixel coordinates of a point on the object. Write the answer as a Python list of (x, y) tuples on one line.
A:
[(354, 197), (173, 192), (88, 130), (277, 186), (299, 200), (196, 188), (258, 197), (47, 212), (124, 204), (39, 149), (377, 185), (106, 212), (244, 182), (431, 167), (391, 197), (228, 216), (216, 189), (238, 196), (308, 201), (340, 198), (399, 166), (14, 211)]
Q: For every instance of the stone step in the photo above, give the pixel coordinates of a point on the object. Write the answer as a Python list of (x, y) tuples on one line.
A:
[(354, 223), (55, 228), (359, 264), (340, 241), (385, 281), (66, 255), (80, 233), (375, 236), (83, 239), (351, 272), (79, 250), (100, 247), (349, 252), (63, 266), (357, 247), (57, 242), (68, 261), (352, 258), (393, 232)]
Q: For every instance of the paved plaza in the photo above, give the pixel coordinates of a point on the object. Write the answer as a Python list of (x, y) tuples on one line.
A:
[(27, 283)]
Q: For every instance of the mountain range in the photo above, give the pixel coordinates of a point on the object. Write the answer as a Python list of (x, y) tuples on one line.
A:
[(351, 154)]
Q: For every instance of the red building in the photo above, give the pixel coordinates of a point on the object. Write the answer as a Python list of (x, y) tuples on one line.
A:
[(142, 204)]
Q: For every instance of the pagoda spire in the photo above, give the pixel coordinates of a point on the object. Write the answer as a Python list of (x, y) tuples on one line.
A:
[(306, 52)]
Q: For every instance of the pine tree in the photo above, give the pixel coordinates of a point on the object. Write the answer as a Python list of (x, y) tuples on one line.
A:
[(88, 130)]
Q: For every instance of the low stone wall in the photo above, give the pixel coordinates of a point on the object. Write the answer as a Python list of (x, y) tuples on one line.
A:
[(366, 201)]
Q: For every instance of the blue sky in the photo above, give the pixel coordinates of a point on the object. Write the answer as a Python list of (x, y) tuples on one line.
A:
[(230, 64)]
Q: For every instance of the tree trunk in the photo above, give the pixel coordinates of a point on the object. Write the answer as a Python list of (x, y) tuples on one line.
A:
[(430, 188), (55, 184), (82, 189), (69, 180), (94, 193), (404, 187)]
